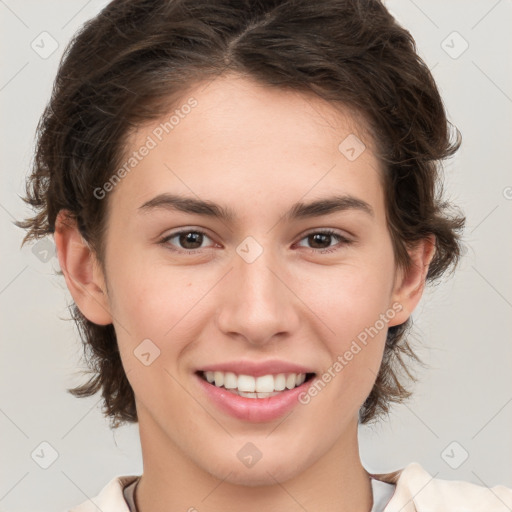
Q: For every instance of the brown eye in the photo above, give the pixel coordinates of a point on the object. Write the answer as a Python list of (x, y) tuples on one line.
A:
[(191, 240), (186, 240), (321, 240)]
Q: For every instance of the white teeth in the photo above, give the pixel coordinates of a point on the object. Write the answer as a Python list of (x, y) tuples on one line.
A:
[(230, 380), (253, 395), (219, 379), (291, 381), (280, 382), (248, 395), (246, 383), (255, 387), (265, 384)]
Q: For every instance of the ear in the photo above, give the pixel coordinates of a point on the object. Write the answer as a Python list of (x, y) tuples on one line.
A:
[(410, 283), (81, 270)]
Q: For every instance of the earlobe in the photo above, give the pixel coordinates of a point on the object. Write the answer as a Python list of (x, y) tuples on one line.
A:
[(410, 283), (82, 272)]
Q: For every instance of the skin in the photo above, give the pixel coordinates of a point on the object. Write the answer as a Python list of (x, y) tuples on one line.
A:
[(257, 150)]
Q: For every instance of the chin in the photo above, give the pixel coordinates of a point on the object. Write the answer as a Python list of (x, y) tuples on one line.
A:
[(260, 475)]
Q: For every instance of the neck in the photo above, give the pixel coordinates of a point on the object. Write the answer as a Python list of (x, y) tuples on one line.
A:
[(335, 482)]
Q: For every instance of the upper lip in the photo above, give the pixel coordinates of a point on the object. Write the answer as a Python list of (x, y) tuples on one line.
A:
[(257, 369)]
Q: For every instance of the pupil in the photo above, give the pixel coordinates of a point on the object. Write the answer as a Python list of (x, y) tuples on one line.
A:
[(189, 238), (321, 235)]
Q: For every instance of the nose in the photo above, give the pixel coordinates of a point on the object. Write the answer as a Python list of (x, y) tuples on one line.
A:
[(258, 302)]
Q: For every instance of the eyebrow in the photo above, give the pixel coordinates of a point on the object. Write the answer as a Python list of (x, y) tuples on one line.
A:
[(317, 208)]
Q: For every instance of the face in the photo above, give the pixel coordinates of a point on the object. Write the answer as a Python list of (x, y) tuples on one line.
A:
[(270, 289)]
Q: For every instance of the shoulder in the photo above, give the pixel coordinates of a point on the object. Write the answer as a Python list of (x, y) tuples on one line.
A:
[(417, 490), (110, 498)]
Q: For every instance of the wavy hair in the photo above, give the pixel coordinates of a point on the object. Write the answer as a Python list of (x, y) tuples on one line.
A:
[(127, 66)]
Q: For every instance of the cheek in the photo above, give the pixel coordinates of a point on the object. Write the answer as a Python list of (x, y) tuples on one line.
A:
[(147, 305), (148, 296), (351, 297), (354, 302), (154, 320)]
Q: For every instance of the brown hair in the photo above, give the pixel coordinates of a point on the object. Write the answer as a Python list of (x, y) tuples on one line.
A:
[(127, 65)]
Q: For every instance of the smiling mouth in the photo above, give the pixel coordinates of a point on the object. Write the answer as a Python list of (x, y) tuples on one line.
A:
[(249, 386)]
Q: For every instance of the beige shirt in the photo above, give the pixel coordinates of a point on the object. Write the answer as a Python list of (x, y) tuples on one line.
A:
[(415, 490)]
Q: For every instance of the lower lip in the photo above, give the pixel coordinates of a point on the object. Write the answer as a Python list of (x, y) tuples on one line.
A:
[(253, 409)]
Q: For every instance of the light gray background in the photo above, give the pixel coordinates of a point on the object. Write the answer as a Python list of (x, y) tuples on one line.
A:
[(463, 325)]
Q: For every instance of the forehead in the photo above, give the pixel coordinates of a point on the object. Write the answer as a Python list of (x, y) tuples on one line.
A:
[(237, 108), (235, 139)]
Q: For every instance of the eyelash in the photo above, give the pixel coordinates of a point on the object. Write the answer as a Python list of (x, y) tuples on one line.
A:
[(329, 232)]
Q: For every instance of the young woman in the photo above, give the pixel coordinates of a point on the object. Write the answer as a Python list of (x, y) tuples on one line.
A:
[(243, 200)]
